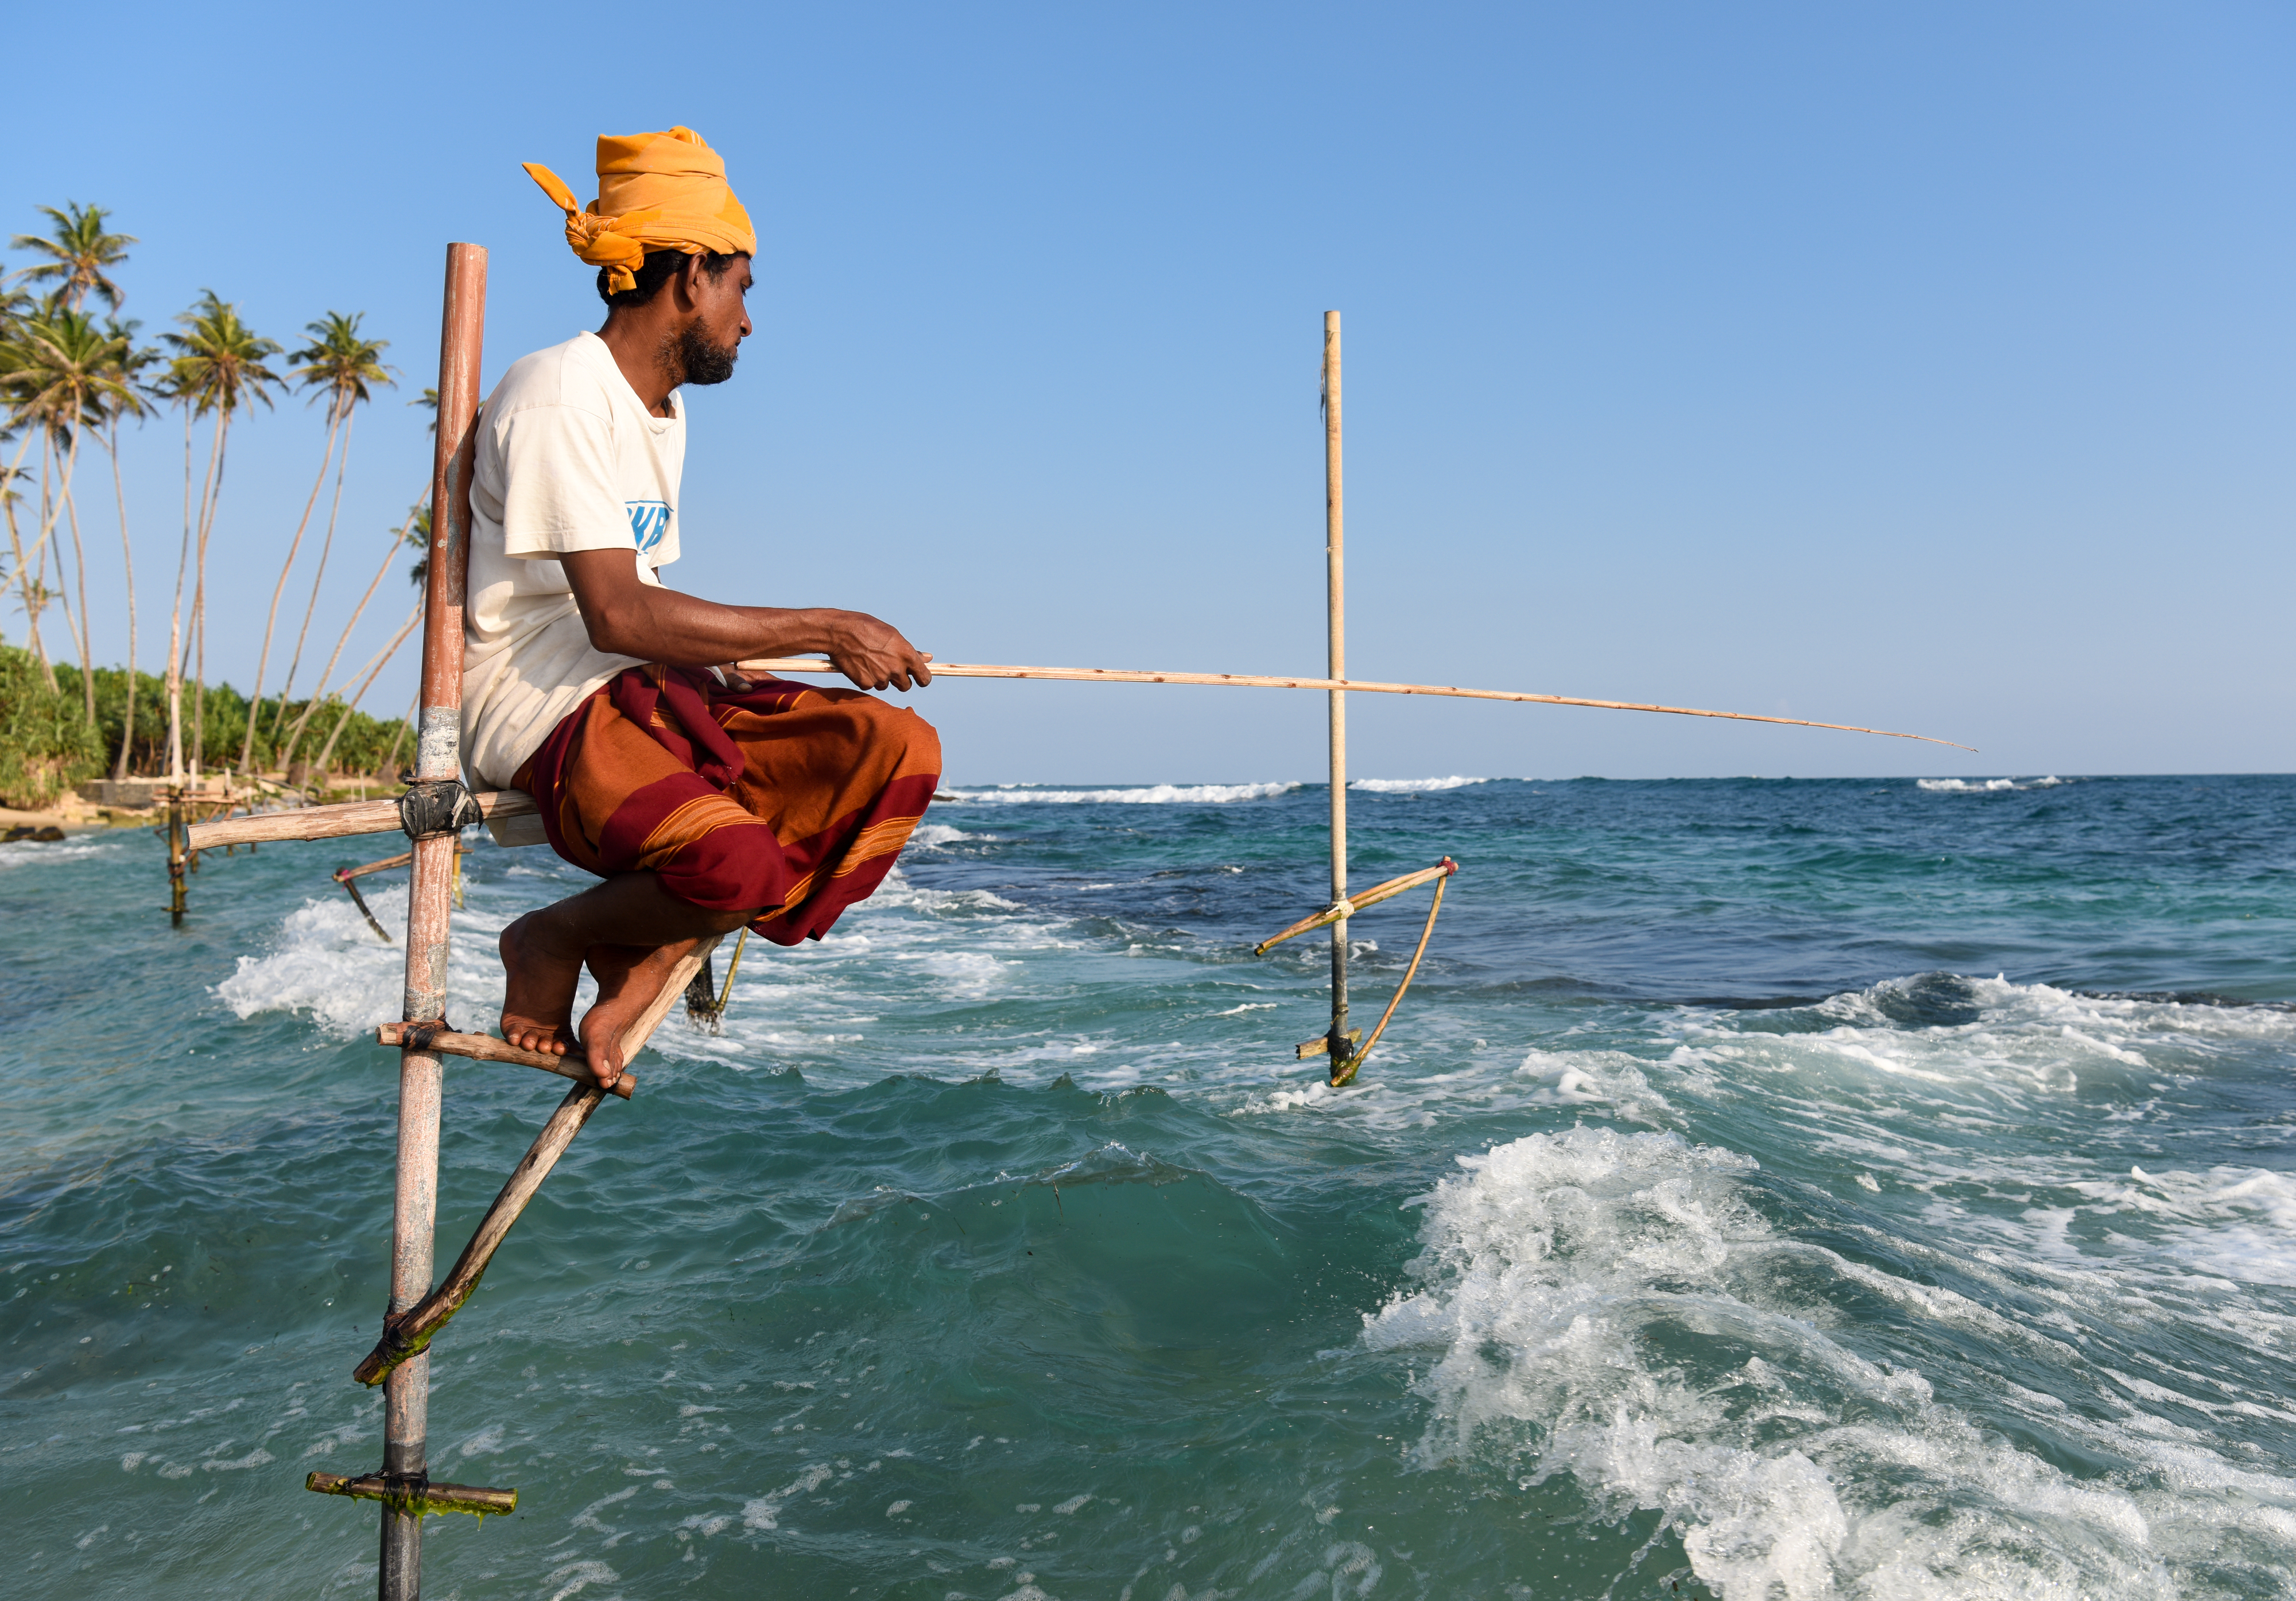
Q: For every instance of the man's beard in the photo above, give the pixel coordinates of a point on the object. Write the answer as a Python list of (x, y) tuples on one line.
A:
[(700, 359)]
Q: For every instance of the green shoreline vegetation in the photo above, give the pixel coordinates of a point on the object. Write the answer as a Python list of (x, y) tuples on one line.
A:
[(46, 747), (70, 382)]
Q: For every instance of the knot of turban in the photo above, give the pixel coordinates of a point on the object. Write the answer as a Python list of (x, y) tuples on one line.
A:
[(656, 192)]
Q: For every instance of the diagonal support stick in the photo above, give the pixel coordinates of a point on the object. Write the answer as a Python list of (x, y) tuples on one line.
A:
[(409, 1334)]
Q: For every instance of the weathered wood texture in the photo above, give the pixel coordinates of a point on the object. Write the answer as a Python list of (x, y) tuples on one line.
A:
[(438, 755), (339, 820), (486, 1048), (431, 1497), (1339, 1040)]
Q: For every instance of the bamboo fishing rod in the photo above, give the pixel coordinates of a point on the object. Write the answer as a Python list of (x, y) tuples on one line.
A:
[(343, 819), (778, 666)]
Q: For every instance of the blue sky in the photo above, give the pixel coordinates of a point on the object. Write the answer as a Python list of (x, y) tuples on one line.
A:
[(1929, 366)]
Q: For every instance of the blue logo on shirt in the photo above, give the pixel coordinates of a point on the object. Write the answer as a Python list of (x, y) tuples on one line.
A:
[(649, 521)]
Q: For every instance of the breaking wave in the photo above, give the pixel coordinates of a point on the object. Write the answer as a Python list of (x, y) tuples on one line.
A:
[(1616, 1307), (1984, 786), (1413, 786)]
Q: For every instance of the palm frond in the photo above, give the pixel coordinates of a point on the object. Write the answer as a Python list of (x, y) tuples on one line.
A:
[(218, 363), (340, 364), (79, 251)]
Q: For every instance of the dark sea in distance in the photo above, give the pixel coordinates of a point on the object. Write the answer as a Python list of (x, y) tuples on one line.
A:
[(1770, 1190)]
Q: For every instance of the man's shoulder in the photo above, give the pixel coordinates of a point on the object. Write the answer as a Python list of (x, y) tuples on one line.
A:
[(560, 375)]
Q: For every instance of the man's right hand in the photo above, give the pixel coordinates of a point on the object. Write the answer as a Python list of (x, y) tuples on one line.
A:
[(874, 656)]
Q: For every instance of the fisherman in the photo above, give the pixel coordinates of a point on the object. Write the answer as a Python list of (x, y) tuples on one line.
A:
[(706, 800)]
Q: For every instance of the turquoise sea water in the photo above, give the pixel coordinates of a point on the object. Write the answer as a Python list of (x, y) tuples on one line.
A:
[(1771, 1188)]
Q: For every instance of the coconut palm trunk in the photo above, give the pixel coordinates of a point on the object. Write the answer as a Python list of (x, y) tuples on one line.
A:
[(128, 564), (75, 631), (397, 543), (86, 641), (219, 369), (310, 606), (343, 365), (200, 597), (176, 623), (278, 593), (381, 660), (32, 571), (23, 573)]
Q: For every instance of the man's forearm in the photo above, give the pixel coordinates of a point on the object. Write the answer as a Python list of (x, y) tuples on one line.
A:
[(663, 625), (627, 617)]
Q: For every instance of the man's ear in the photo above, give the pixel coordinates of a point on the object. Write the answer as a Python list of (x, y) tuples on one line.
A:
[(688, 282)]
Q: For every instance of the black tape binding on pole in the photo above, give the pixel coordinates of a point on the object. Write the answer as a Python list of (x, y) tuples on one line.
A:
[(436, 806)]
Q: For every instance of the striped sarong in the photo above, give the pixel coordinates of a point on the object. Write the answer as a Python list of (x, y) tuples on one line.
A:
[(780, 795)]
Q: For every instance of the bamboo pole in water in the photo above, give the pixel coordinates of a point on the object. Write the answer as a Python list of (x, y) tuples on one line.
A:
[(1336, 598), (175, 854), (406, 1405)]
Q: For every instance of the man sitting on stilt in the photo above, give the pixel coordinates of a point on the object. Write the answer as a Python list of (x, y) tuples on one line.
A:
[(704, 799)]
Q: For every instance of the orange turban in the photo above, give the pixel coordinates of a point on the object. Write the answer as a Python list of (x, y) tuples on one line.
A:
[(656, 192)]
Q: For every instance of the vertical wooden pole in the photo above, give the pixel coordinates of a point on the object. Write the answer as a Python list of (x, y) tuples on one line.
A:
[(406, 1395), (176, 857), (1335, 580)]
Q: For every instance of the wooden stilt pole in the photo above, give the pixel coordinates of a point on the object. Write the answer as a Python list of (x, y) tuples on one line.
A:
[(1335, 594), (176, 834), (406, 1407)]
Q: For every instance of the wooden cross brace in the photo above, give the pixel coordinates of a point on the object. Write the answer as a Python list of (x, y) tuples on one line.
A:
[(412, 1331)]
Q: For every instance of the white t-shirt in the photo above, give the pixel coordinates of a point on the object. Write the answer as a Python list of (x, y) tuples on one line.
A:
[(569, 458)]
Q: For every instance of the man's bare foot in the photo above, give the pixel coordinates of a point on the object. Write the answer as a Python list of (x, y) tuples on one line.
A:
[(630, 977), (538, 1001)]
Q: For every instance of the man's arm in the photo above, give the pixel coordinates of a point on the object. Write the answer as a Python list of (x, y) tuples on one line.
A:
[(627, 617)]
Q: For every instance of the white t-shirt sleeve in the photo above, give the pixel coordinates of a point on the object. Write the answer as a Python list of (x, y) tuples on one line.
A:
[(562, 488)]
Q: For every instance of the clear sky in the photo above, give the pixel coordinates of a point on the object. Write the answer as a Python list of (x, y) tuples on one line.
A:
[(1927, 366)]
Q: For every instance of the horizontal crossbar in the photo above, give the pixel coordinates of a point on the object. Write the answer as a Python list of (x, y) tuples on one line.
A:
[(418, 1497), (336, 821), (486, 1048)]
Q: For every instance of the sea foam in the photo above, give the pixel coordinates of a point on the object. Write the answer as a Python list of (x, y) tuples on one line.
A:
[(1413, 786), (1984, 786), (1616, 1308)]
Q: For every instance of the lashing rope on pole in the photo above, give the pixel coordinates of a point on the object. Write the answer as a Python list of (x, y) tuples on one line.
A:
[(705, 1004)]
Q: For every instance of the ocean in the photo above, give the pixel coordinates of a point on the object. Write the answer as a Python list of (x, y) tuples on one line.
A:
[(1770, 1188)]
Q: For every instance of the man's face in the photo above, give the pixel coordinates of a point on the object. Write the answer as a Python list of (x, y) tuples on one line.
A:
[(711, 339)]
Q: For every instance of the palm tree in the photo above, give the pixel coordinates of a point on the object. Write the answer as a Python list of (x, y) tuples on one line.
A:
[(219, 368), (77, 251), (414, 531), (65, 380), (165, 387), (372, 671), (126, 400), (15, 306), (339, 365)]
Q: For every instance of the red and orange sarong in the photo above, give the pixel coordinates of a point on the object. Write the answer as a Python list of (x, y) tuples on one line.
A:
[(780, 795)]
